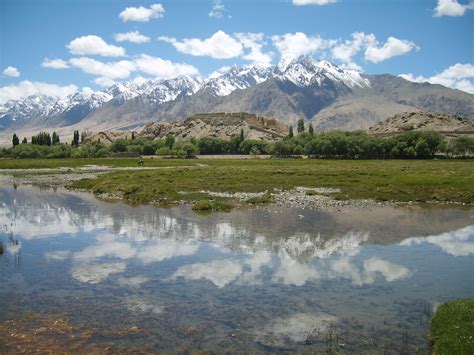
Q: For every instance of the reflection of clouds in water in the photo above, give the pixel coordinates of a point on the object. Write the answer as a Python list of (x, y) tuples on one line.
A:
[(303, 246), (295, 329), (45, 220), (135, 281), (457, 243), (147, 252), (292, 272), (59, 255), (14, 247), (223, 272), (165, 249), (141, 305), (219, 272), (96, 272)]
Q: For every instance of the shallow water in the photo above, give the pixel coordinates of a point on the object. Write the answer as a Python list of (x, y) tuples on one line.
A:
[(81, 274)]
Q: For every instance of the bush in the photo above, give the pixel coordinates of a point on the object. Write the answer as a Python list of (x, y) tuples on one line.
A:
[(164, 151)]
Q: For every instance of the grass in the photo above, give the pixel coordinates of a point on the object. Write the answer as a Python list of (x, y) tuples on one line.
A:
[(207, 206), (395, 180), (76, 163), (261, 200), (452, 328)]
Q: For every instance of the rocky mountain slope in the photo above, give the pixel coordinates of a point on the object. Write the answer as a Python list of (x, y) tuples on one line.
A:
[(220, 124), (318, 91), (423, 121)]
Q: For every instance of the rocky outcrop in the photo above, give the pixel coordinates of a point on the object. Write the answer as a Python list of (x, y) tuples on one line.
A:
[(424, 121), (220, 124)]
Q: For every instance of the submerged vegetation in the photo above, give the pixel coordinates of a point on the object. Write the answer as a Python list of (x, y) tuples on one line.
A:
[(452, 328), (328, 145)]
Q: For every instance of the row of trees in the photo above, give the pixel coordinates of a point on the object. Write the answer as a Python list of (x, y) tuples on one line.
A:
[(332, 145)]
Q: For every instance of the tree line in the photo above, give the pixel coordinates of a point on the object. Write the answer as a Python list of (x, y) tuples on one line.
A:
[(326, 145)]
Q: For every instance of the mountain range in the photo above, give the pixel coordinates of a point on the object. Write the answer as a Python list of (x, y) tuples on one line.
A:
[(329, 96)]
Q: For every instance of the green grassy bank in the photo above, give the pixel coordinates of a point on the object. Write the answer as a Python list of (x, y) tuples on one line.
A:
[(452, 328), (397, 180)]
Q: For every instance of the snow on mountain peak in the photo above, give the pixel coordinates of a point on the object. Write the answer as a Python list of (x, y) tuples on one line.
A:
[(304, 71)]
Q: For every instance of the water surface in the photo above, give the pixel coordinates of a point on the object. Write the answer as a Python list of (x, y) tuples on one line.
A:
[(81, 274)]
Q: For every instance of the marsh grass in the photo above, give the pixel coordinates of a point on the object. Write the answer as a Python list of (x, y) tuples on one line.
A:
[(383, 180), (452, 328)]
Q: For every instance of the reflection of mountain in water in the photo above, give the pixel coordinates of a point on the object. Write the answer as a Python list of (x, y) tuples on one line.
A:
[(250, 246)]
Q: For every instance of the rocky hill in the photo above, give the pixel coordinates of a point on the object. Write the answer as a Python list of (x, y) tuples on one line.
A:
[(426, 121), (220, 124)]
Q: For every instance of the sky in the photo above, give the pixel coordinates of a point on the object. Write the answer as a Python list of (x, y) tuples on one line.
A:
[(56, 47)]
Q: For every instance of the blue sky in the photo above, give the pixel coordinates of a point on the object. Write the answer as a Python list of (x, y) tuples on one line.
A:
[(430, 40)]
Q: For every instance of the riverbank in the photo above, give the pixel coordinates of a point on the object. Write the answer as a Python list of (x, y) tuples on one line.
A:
[(452, 328), (305, 183)]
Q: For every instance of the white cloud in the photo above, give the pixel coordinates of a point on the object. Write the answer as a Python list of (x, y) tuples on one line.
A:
[(111, 70), (219, 272), (457, 243), (96, 273), (219, 46), (162, 68), (345, 51), (54, 64), (313, 2), (105, 82), (458, 76), (218, 9), (452, 8), (142, 14), (11, 71), (217, 73), (94, 45), (393, 47), (293, 45), (27, 88), (254, 42), (134, 36)]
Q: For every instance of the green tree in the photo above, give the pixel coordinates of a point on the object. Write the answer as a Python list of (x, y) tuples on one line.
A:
[(75, 139), (15, 140), (300, 127), (310, 129), (169, 141), (290, 132), (55, 138), (25, 141)]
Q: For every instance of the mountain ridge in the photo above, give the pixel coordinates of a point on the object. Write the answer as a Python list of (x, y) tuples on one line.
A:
[(318, 91)]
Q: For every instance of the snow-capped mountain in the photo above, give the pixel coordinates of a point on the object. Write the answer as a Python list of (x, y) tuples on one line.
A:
[(238, 78), (331, 96), (305, 71)]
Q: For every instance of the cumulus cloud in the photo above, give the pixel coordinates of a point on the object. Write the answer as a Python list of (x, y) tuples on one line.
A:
[(27, 88), (219, 272), (218, 9), (458, 76), (452, 8), (254, 42), (162, 68), (219, 46), (134, 36), (393, 47), (54, 64), (111, 70), (142, 14), (94, 45), (11, 71), (105, 82), (313, 2), (345, 51), (293, 45)]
